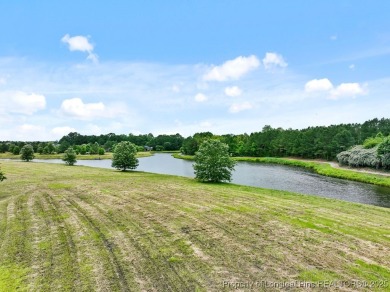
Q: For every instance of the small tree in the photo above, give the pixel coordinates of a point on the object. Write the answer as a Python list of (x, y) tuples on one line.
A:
[(213, 162), (27, 153), (124, 156), (16, 150), (69, 156), (2, 177)]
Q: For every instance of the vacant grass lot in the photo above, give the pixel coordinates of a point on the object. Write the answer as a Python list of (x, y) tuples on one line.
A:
[(76, 228)]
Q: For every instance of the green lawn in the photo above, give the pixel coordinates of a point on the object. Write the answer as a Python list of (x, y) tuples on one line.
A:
[(74, 228)]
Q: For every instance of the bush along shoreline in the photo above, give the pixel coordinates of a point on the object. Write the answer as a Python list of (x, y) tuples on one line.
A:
[(321, 168)]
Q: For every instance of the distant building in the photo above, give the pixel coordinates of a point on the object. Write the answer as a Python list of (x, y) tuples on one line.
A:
[(148, 148)]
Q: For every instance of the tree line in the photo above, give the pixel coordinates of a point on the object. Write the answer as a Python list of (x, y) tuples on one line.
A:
[(323, 142)]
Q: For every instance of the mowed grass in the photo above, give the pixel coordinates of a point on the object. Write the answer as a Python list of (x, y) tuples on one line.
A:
[(74, 228)]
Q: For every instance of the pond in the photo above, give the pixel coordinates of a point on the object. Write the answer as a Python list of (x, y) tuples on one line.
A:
[(278, 177)]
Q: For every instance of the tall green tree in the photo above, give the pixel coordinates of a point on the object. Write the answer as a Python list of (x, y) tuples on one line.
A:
[(213, 162), (69, 156), (27, 153), (124, 156)]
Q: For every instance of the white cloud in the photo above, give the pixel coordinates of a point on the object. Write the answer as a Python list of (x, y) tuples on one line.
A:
[(3, 81), (352, 67), (233, 91), (238, 107), (333, 37), (62, 131), (273, 60), (318, 85), (77, 108), (232, 69), (82, 44), (347, 90), (21, 102), (200, 97)]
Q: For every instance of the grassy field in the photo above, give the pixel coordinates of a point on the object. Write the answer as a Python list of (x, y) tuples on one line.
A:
[(107, 155), (66, 228)]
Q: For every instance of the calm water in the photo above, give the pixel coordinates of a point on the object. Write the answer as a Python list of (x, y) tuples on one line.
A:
[(270, 176)]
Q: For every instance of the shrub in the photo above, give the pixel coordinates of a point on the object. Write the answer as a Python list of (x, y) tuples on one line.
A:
[(69, 156), (373, 141), (359, 157), (27, 153), (384, 147), (2, 177)]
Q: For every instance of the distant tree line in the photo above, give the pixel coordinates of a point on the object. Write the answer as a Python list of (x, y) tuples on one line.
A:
[(313, 142), (323, 142), (91, 144)]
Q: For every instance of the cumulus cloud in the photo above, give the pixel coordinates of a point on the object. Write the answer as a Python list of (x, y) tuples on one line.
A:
[(318, 85), (232, 69), (342, 90), (75, 107), (200, 97), (347, 90), (233, 91), (274, 60), (21, 102), (238, 107), (82, 44)]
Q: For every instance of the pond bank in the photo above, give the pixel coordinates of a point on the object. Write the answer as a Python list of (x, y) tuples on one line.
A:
[(320, 167)]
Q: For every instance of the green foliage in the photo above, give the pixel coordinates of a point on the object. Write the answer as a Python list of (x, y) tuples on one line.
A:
[(213, 162), (373, 141), (384, 147), (124, 156), (2, 177), (69, 156), (27, 153), (159, 148), (16, 150), (83, 149), (312, 142), (101, 151)]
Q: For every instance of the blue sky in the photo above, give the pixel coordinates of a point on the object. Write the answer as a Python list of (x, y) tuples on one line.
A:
[(189, 66)]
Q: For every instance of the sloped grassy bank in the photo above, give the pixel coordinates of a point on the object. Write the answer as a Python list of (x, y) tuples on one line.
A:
[(77, 228), (320, 168)]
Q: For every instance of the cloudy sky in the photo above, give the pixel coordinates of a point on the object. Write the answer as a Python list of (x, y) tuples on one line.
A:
[(169, 67)]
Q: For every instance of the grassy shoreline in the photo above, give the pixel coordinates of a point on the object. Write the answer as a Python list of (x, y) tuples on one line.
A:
[(107, 155), (65, 228), (318, 167)]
